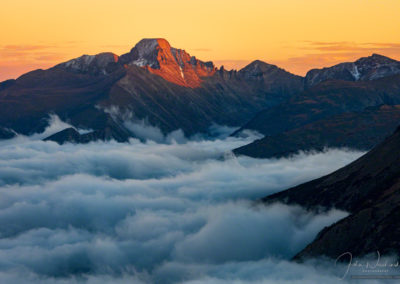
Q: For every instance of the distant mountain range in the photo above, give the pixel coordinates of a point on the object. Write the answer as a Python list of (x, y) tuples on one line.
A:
[(163, 85), (348, 105), (364, 69), (336, 109)]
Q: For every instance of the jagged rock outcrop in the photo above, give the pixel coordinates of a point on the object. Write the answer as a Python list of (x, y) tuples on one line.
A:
[(172, 64)]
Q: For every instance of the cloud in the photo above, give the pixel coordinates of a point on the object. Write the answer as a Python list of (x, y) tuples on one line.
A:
[(29, 53), (148, 212), (345, 46), (319, 54), (277, 231), (143, 130), (19, 59)]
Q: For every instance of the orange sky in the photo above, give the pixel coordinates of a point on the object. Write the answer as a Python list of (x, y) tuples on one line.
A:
[(294, 34)]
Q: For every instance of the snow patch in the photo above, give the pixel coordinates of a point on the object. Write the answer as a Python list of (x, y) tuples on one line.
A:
[(78, 63), (140, 62), (355, 72)]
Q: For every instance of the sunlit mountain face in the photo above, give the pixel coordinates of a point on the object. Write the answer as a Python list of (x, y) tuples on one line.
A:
[(174, 65)]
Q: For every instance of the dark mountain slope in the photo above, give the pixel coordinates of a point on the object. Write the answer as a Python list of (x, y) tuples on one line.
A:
[(270, 78), (358, 130), (4, 85), (324, 100), (369, 189), (6, 133), (324, 107), (224, 98), (28, 101)]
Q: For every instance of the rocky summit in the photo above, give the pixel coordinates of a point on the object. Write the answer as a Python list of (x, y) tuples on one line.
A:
[(172, 64)]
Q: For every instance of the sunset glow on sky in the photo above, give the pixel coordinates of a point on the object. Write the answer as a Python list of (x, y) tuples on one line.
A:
[(295, 34)]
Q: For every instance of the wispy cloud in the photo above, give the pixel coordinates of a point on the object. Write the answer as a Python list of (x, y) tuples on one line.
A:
[(319, 54), (345, 46), (31, 53), (18, 59)]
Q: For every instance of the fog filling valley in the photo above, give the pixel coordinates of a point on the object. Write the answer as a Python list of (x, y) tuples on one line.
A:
[(155, 212)]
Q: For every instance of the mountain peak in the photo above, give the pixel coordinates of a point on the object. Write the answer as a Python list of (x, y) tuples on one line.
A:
[(258, 65), (376, 55), (375, 60), (260, 70), (146, 51), (364, 69), (174, 65), (93, 64)]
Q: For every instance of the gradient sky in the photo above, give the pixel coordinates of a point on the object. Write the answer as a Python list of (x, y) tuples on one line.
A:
[(294, 34)]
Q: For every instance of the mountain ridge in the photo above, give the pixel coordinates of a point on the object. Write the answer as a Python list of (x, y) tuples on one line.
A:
[(363, 69), (173, 90), (176, 91), (319, 105)]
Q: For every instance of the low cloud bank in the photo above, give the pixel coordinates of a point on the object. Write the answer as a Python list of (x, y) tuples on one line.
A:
[(146, 212)]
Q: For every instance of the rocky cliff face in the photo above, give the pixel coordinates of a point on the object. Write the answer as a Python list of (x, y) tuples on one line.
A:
[(172, 64), (364, 69)]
